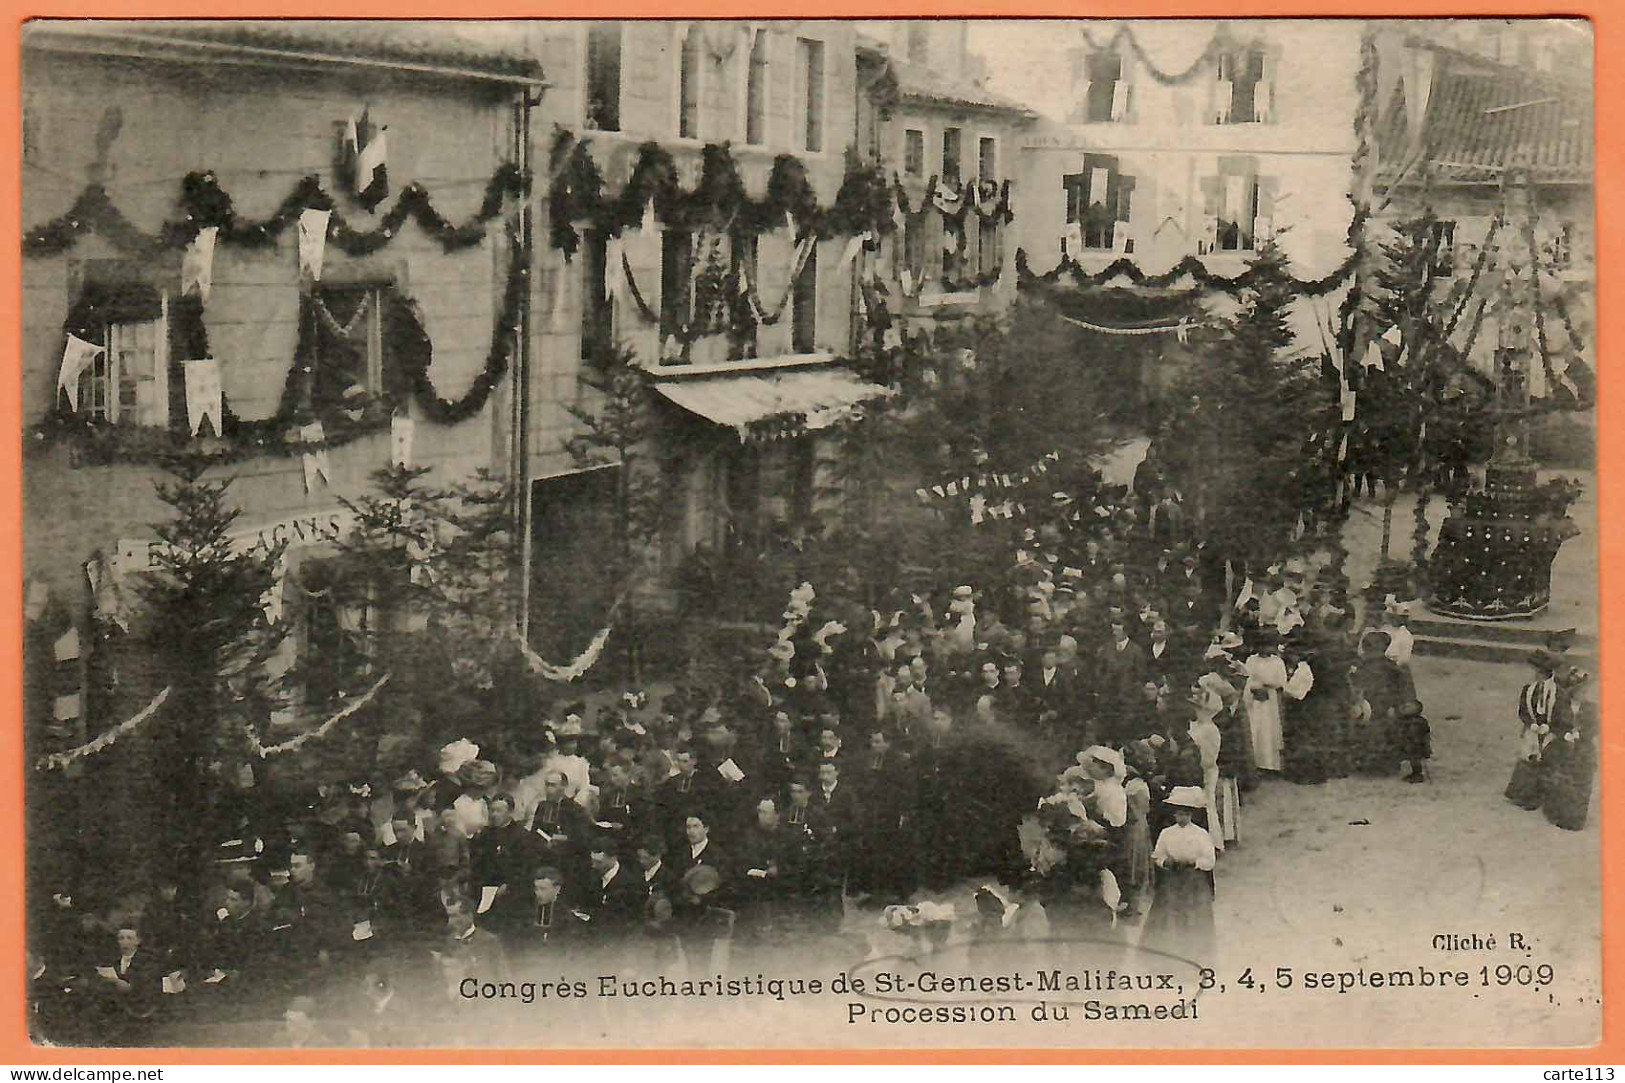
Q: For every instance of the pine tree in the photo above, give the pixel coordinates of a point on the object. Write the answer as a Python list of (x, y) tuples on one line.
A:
[(618, 428), (1251, 419), (207, 631)]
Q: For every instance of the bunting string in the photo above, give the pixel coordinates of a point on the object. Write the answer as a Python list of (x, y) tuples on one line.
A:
[(582, 662), (1191, 267), (59, 760), (295, 743)]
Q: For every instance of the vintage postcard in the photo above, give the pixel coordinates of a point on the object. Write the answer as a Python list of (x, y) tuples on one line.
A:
[(912, 534)]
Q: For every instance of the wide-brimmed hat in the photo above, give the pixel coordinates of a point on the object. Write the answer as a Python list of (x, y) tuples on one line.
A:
[(479, 773), (1190, 797), (702, 880), (411, 782)]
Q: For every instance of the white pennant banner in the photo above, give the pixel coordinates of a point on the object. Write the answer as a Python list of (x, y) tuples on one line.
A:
[(197, 265), (203, 398), (76, 357), (315, 456), (313, 242), (400, 439)]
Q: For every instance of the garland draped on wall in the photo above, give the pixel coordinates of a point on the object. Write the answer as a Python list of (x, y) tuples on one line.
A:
[(1191, 266), (719, 200), (313, 389), (981, 194), (206, 204), (1221, 42)]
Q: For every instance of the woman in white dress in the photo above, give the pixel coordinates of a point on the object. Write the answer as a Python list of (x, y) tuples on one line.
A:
[(1181, 920), (1205, 735), (1266, 679)]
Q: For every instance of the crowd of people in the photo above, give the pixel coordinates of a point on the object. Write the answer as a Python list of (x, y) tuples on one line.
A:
[(1083, 728)]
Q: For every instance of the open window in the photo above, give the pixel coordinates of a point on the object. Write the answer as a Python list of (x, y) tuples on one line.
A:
[(1099, 201), (146, 333), (953, 144), (804, 306), (1105, 92), (1242, 90), (603, 97), (597, 306), (913, 152), (676, 279), (1239, 206)]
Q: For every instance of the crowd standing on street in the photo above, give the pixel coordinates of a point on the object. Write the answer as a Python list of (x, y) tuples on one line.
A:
[(1081, 734)]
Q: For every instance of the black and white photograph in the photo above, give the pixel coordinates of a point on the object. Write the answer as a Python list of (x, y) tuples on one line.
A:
[(810, 534)]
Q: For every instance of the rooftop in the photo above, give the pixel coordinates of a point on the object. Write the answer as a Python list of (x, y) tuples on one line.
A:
[(1484, 117), (446, 47), (916, 82)]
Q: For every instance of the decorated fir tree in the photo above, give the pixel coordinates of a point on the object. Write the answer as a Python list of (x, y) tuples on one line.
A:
[(206, 630), (1251, 418), (616, 427)]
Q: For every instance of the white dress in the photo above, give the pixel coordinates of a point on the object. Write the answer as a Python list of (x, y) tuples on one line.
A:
[(1266, 677), (1207, 738)]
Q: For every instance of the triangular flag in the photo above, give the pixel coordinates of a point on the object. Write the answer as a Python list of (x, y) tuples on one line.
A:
[(203, 398), (1119, 99), (39, 596), (400, 439), (313, 242), (1392, 336), (1347, 400), (67, 646), (197, 265), (371, 172), (315, 455), (76, 357), (271, 600), (351, 142), (1373, 356), (614, 269), (854, 248)]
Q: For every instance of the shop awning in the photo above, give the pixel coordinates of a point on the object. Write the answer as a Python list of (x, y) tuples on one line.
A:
[(818, 397)]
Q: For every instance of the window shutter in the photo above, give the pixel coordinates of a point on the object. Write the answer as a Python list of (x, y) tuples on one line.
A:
[(1125, 197), (188, 341), (1073, 183)]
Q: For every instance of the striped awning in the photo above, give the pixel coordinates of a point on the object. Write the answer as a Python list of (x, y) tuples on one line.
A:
[(818, 397)]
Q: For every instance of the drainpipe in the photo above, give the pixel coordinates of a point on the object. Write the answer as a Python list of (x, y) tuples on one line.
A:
[(523, 105)]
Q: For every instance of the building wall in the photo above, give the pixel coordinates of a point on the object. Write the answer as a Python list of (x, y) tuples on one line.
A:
[(1166, 142), (145, 125), (649, 81)]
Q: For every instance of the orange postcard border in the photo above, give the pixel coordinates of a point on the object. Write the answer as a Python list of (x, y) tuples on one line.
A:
[(1608, 23)]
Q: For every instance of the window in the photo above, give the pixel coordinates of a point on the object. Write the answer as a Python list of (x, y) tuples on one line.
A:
[(597, 306), (136, 376), (919, 42), (603, 104), (913, 152), (914, 245), (349, 344), (1239, 205), (810, 71), (988, 244), (1097, 200), (689, 57), (756, 89), (1105, 94), (1242, 93), (951, 146), (987, 158), (743, 344), (804, 306), (676, 278)]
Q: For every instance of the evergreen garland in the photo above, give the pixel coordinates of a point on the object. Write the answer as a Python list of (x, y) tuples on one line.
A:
[(576, 194), (407, 345), (206, 204), (1217, 45), (1191, 266)]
